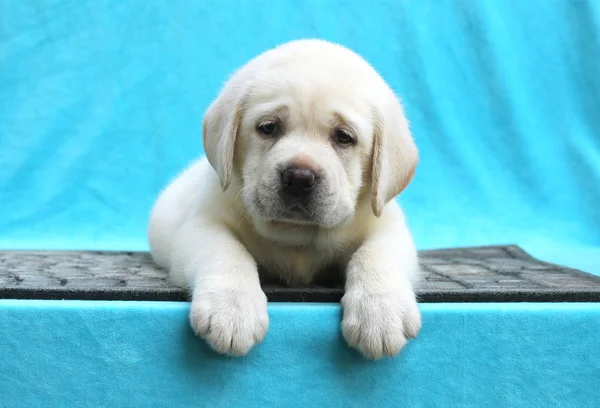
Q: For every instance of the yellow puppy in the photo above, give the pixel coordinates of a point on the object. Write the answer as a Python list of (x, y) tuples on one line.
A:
[(306, 147)]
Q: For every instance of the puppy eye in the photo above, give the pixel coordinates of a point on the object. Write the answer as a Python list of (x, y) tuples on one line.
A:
[(268, 128), (343, 138)]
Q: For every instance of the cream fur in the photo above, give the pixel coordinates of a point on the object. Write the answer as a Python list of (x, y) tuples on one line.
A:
[(222, 216)]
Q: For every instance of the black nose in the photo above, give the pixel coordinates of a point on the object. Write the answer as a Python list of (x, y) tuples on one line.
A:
[(298, 181)]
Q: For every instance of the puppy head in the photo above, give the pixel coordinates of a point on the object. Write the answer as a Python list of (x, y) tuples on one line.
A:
[(308, 129)]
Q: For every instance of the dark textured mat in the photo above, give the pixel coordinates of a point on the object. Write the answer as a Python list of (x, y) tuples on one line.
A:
[(478, 274)]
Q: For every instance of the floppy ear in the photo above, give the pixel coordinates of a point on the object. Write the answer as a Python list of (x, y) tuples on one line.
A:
[(395, 155), (219, 131)]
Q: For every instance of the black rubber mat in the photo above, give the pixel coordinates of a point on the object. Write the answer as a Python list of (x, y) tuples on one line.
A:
[(478, 274)]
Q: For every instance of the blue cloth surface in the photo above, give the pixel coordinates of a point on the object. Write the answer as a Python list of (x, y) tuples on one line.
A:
[(101, 104), (136, 354)]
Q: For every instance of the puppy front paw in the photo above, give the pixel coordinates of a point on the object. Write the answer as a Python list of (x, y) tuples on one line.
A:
[(231, 321), (380, 324)]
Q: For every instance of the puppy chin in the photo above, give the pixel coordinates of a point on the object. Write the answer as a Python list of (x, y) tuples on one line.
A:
[(295, 231), (325, 218), (268, 211)]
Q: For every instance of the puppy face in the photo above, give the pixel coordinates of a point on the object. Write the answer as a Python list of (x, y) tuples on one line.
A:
[(303, 147), (308, 128)]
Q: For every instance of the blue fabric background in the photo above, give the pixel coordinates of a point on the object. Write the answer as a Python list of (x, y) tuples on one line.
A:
[(101, 104), (138, 354)]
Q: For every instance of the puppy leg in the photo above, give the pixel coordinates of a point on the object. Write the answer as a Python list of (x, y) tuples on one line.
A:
[(380, 309), (229, 308)]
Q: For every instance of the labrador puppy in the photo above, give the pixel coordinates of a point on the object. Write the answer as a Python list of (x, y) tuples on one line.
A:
[(306, 148)]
